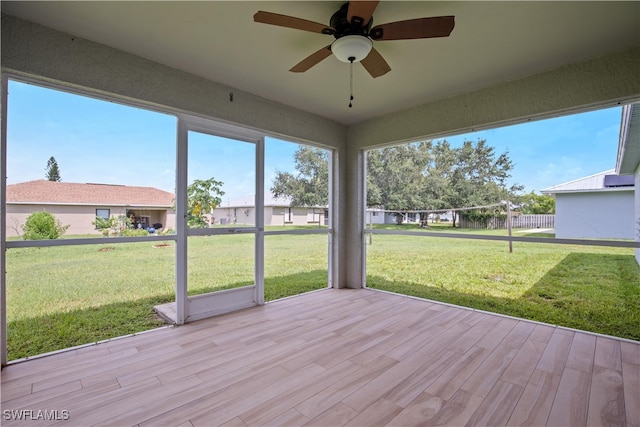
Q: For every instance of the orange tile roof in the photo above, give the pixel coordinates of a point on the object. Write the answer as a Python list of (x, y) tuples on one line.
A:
[(52, 192)]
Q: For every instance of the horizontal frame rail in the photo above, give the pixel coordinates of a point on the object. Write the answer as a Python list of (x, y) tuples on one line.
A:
[(221, 231), (152, 238), (298, 231), (87, 241), (585, 242)]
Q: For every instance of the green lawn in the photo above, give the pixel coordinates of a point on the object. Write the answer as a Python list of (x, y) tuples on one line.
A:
[(64, 296), (590, 288), (58, 297)]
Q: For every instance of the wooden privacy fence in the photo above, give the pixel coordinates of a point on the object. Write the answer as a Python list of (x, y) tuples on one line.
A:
[(533, 221), (517, 221)]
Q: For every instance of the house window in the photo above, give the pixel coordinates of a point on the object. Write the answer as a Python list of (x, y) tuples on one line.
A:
[(103, 213)]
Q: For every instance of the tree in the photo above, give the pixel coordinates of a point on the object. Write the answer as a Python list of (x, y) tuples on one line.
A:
[(202, 196), (477, 177), (43, 226), (428, 176), (395, 178), (533, 203), (419, 176), (309, 186), (53, 172)]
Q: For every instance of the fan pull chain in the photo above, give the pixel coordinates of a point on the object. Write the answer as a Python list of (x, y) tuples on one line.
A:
[(350, 83)]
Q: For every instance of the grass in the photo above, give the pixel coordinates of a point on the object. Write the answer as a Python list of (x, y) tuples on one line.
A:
[(590, 288), (59, 297)]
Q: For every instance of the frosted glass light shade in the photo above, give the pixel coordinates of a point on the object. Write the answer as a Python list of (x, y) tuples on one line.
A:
[(348, 47)]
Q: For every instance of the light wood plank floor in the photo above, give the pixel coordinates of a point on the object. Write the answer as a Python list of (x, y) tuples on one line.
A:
[(337, 357)]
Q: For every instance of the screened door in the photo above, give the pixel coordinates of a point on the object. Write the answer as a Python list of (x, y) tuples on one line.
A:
[(220, 213)]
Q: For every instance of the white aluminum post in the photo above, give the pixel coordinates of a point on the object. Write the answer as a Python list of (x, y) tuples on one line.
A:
[(509, 226), (259, 236), (3, 226), (182, 153), (362, 208), (333, 245)]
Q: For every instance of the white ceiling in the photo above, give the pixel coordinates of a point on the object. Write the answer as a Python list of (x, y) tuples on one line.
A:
[(492, 42)]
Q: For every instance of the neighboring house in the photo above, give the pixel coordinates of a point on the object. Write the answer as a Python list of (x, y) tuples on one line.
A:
[(628, 161), (381, 216), (598, 207), (78, 205), (277, 211)]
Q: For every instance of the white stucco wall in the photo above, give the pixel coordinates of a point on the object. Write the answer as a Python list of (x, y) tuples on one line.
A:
[(595, 215), (78, 218), (273, 215), (374, 217)]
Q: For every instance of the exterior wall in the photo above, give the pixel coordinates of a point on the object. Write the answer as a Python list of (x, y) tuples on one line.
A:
[(240, 215), (79, 218), (276, 216), (269, 215), (374, 217), (316, 216), (296, 216), (226, 216), (379, 217), (596, 215), (273, 215)]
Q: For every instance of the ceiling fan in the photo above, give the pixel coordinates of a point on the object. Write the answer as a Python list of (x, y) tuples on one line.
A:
[(354, 35)]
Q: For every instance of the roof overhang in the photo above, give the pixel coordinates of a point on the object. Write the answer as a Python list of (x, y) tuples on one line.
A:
[(602, 190), (628, 160)]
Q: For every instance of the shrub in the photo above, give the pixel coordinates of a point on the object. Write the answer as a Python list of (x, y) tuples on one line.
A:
[(483, 216), (115, 226), (103, 225), (43, 226)]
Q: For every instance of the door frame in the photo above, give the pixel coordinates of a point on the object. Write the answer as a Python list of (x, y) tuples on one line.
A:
[(189, 308)]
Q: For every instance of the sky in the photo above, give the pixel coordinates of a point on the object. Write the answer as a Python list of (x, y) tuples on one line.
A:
[(95, 141)]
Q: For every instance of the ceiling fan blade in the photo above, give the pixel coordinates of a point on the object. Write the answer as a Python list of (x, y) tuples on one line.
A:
[(291, 22), (375, 64), (362, 10), (312, 60), (420, 28)]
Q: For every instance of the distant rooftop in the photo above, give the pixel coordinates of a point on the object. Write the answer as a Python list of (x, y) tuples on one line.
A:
[(603, 181), (69, 193)]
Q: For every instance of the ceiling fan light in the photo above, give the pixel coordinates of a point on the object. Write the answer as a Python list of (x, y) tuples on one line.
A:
[(352, 48)]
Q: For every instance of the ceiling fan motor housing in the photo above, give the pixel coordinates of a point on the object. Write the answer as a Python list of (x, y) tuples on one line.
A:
[(357, 27)]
